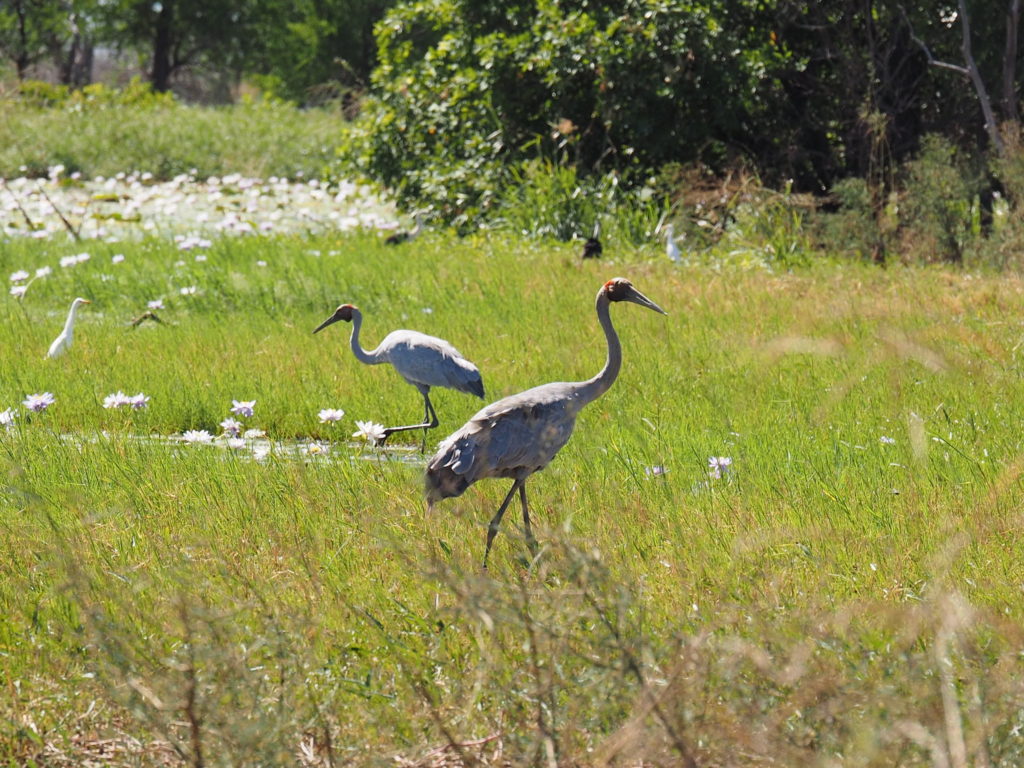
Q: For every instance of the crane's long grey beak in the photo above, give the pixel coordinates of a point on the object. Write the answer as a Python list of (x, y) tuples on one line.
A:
[(329, 321), (638, 298)]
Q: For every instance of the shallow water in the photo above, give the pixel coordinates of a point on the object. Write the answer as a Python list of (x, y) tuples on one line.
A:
[(131, 206), (264, 448)]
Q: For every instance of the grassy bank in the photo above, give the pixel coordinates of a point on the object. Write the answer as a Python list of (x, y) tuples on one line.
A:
[(847, 591), (167, 138)]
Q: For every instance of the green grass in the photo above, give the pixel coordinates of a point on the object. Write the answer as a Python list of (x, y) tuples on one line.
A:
[(261, 139), (835, 600)]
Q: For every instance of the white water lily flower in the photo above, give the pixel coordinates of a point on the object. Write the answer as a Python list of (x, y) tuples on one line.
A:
[(196, 436), (116, 400), (370, 431), (328, 415)]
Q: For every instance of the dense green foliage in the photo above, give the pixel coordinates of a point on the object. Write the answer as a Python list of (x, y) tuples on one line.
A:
[(465, 90), (295, 49), (807, 92)]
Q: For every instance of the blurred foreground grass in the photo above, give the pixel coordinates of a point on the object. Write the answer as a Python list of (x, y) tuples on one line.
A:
[(847, 593)]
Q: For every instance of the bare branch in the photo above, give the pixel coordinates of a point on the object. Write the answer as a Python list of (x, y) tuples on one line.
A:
[(979, 85), (67, 224), (928, 51), (17, 202), (970, 70)]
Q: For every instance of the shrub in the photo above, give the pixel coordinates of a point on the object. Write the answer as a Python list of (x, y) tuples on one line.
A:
[(545, 200), (937, 203), (466, 89)]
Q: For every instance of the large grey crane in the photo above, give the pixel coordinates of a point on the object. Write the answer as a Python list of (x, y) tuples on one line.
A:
[(423, 361), (520, 434)]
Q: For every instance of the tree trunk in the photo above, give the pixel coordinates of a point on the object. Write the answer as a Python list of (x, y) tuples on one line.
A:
[(163, 45), (66, 61), (21, 61), (1010, 62)]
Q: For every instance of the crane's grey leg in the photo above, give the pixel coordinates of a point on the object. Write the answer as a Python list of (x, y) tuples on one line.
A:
[(492, 529), (429, 421), (530, 541)]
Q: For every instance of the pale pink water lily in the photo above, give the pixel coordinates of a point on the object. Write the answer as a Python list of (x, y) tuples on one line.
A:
[(39, 402), (18, 291), (370, 431), (138, 401), (718, 466), (231, 427), (19, 276), (116, 400), (243, 408), (329, 415), (196, 436)]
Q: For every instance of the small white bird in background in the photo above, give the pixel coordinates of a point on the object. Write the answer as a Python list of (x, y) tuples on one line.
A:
[(63, 341), (671, 249)]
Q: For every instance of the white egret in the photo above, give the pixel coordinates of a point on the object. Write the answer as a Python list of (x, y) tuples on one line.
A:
[(62, 343), (671, 249)]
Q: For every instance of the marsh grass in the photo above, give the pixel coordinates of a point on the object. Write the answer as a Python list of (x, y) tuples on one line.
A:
[(259, 139), (832, 599)]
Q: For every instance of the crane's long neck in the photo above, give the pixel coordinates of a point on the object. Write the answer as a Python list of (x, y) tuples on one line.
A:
[(591, 389), (361, 354)]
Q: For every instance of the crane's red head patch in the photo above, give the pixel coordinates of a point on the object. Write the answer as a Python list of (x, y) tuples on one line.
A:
[(344, 312), (617, 289)]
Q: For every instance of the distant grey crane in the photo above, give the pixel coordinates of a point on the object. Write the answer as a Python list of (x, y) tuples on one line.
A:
[(423, 361), (520, 434), (403, 236), (62, 343)]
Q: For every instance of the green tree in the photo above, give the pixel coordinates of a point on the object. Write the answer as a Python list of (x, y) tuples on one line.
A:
[(28, 29), (305, 45), (464, 89), (175, 34)]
